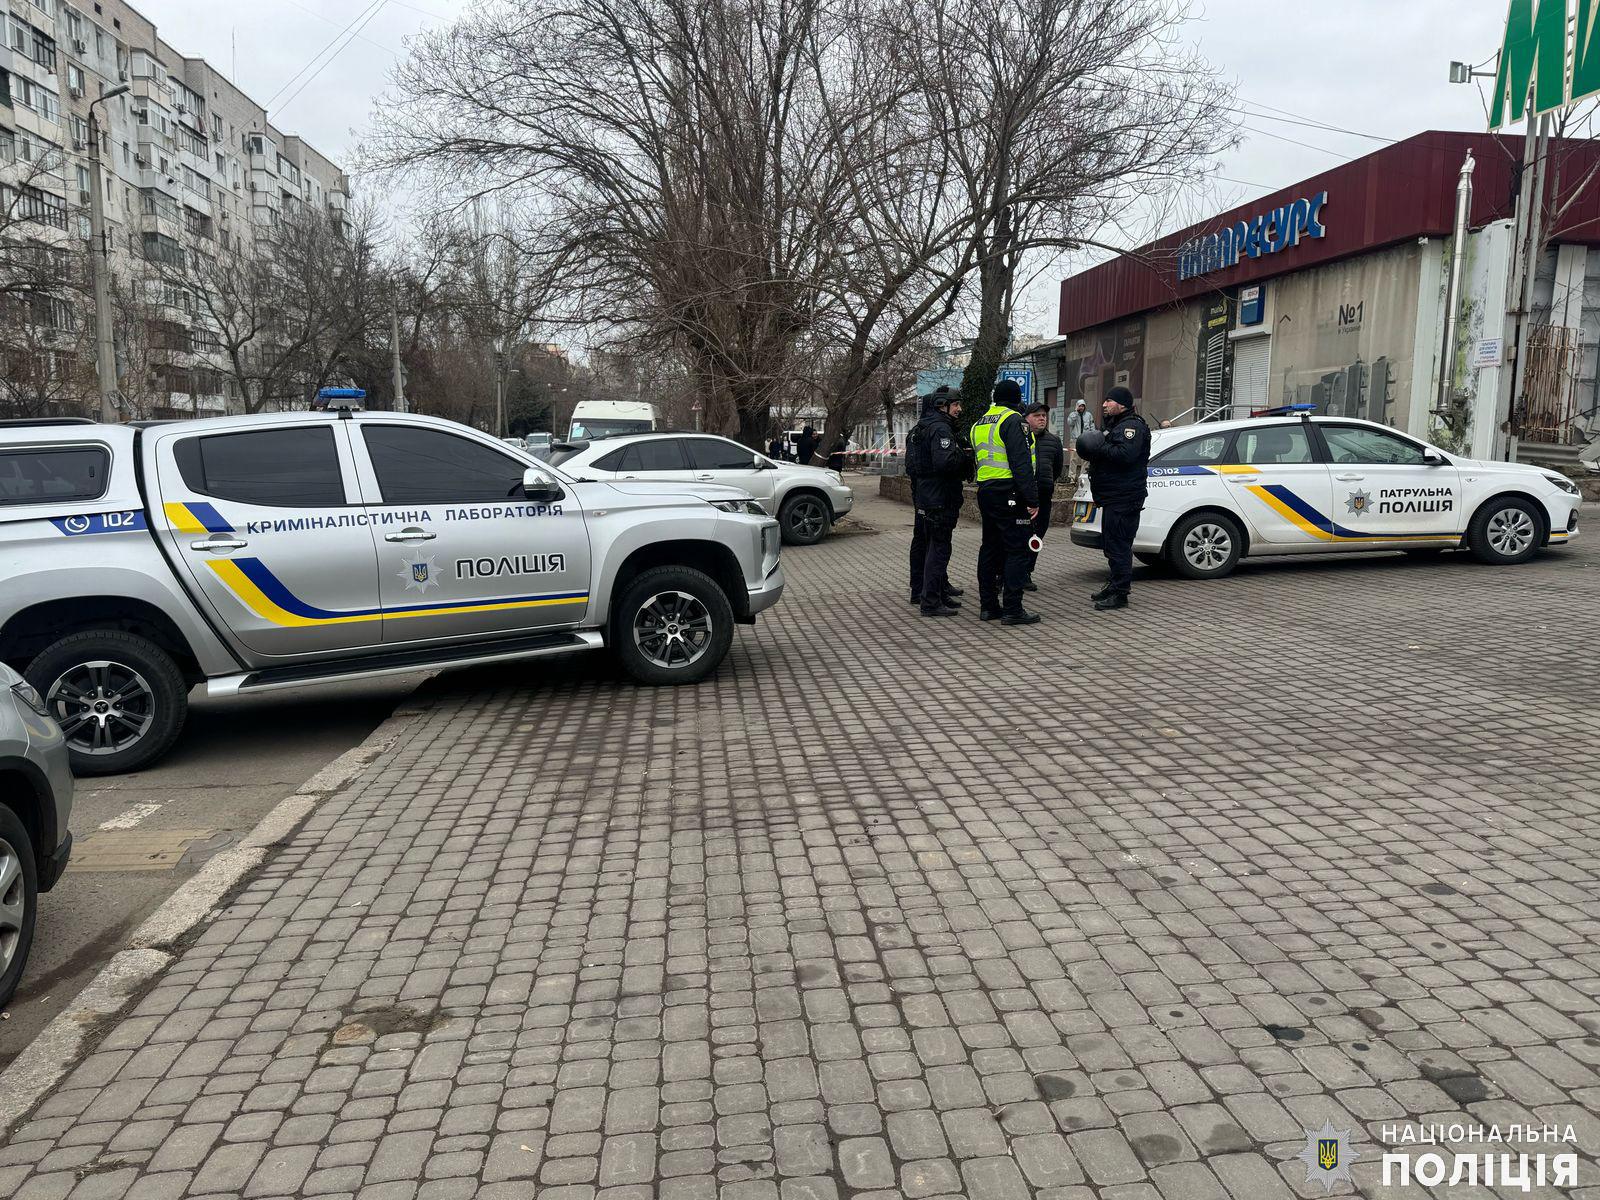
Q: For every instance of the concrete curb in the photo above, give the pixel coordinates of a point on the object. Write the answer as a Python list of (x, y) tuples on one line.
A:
[(56, 1050)]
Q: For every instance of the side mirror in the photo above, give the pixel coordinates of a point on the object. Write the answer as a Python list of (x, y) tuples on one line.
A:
[(540, 488), (1432, 458), (765, 464)]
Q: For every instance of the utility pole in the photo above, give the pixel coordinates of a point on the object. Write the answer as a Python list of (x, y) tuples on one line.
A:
[(500, 393), (1528, 241), (105, 359), (1452, 295), (395, 369)]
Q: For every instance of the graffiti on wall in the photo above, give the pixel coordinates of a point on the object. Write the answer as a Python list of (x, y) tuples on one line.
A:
[(1115, 357)]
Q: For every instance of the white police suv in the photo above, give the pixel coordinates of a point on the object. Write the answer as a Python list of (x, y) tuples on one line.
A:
[(1288, 482)]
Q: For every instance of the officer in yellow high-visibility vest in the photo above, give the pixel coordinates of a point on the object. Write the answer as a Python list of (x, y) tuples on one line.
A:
[(1008, 499)]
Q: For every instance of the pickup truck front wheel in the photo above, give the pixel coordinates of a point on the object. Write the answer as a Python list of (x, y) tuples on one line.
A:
[(672, 625), (118, 697)]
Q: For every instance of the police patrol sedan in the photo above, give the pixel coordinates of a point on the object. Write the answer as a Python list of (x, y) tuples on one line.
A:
[(1293, 483)]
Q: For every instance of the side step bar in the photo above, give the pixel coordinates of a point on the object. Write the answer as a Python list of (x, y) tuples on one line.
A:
[(399, 662)]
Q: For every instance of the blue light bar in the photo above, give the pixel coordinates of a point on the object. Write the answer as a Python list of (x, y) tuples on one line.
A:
[(1285, 410), (333, 393)]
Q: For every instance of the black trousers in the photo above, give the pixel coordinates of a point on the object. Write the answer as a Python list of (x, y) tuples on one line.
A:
[(1118, 524), (1041, 523), (1003, 556), (930, 553)]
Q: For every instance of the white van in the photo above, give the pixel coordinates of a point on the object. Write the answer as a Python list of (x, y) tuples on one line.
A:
[(606, 418)]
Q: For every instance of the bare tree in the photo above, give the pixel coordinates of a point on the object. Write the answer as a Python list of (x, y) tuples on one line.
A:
[(292, 310), (42, 289), (678, 153), (787, 195), (1056, 116)]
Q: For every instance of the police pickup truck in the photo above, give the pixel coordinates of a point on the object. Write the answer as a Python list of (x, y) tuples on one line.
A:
[(244, 554)]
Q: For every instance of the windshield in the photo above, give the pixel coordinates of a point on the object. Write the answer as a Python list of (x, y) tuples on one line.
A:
[(599, 427)]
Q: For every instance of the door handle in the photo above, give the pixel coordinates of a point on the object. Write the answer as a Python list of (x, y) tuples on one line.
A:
[(1348, 477), (1243, 478), (707, 475), (219, 544), (410, 535)]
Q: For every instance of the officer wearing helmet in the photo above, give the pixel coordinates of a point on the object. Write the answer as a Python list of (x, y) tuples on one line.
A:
[(938, 462), (1008, 499), (1118, 457)]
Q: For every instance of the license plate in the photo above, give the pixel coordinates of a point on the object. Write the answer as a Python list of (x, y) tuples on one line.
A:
[(1082, 512)]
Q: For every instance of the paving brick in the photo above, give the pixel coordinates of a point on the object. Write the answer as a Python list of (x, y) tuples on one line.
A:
[(684, 964)]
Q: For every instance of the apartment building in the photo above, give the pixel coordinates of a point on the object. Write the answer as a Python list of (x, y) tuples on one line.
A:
[(191, 164)]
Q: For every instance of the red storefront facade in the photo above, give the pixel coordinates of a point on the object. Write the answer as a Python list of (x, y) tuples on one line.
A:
[(1327, 292)]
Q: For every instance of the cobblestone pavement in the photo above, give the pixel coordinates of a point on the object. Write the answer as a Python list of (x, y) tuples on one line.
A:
[(1312, 845)]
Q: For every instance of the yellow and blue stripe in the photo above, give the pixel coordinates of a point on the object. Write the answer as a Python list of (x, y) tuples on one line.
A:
[(263, 593), (1308, 520)]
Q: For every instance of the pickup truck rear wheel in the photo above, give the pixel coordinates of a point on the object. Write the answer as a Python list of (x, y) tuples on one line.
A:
[(118, 697), (19, 900), (672, 625)]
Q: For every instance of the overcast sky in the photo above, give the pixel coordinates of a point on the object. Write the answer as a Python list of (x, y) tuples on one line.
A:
[(1369, 66)]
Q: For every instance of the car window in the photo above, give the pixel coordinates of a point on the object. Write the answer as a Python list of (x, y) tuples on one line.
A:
[(53, 474), (656, 454), (1200, 451), (1268, 444), (424, 466), (282, 468), (714, 454), (1357, 444), (612, 461)]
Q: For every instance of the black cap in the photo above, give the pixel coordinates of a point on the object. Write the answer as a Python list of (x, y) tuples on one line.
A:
[(1035, 407), (1121, 395), (1009, 393)]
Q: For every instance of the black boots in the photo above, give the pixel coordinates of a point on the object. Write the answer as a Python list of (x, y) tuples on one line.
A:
[(1110, 601)]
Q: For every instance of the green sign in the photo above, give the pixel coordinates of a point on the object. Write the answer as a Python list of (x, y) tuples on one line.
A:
[(1558, 59)]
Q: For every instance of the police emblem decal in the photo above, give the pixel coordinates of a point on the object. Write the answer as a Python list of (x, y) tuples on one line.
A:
[(1328, 1156), (418, 573), (1130, 433), (1358, 504)]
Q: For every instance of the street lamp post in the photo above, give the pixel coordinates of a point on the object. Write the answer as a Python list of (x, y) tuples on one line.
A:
[(100, 269)]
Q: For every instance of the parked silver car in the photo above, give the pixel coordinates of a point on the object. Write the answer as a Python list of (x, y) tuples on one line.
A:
[(35, 803), (806, 500)]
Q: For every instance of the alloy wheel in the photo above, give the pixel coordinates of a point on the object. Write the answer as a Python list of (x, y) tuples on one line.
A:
[(13, 903), (672, 629), (1207, 547), (808, 519), (1511, 531), (102, 707)]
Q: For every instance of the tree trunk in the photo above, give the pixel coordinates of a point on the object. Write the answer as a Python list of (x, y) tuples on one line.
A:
[(994, 329)]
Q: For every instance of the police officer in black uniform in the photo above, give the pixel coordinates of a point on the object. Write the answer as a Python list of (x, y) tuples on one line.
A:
[(1117, 459), (938, 462)]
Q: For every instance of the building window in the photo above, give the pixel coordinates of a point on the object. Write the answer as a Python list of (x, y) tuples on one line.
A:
[(31, 204), (44, 50), (75, 78), (159, 248)]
